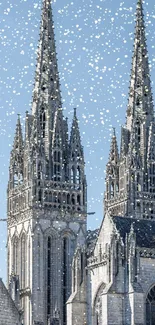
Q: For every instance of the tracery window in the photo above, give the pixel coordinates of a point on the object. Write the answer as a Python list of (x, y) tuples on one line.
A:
[(150, 307), (23, 261), (65, 274), (15, 255)]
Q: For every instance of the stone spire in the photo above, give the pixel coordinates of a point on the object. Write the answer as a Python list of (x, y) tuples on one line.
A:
[(16, 161), (46, 95), (114, 155), (76, 149), (18, 140), (140, 104)]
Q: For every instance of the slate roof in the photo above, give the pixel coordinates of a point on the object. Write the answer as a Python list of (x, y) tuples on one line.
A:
[(144, 229)]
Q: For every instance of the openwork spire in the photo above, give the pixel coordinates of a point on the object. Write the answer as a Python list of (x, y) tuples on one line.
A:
[(140, 103), (114, 156), (76, 149), (47, 88), (18, 140)]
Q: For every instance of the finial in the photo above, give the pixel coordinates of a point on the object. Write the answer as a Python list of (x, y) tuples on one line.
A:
[(75, 111), (114, 131)]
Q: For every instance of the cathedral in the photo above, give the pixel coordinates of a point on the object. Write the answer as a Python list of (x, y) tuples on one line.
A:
[(58, 272)]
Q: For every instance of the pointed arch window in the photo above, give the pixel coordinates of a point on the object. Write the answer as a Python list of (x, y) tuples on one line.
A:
[(79, 199), (150, 307), (39, 171), (15, 179), (112, 189), (138, 131), (15, 255), (42, 122), (68, 198), (117, 188), (48, 278), (138, 183), (73, 199), (72, 175), (78, 175), (51, 274), (65, 275), (23, 261), (138, 101), (39, 195)]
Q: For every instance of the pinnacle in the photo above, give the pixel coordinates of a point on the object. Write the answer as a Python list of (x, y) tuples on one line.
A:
[(114, 156), (75, 138), (18, 140)]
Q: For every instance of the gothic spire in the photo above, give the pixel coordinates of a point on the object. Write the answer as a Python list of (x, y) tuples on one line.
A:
[(114, 155), (46, 95), (140, 104), (76, 149), (18, 139), (17, 159)]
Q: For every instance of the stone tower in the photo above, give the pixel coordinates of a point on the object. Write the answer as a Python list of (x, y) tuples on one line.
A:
[(46, 194), (130, 176)]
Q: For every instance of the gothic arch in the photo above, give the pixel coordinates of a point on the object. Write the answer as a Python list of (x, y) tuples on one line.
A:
[(150, 306), (100, 288), (68, 233), (15, 252), (51, 255), (97, 305), (51, 232), (23, 260)]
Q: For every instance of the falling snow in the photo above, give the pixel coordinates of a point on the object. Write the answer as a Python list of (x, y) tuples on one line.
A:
[(94, 45)]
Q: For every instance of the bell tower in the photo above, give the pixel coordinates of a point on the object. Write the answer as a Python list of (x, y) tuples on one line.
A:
[(47, 194), (135, 165)]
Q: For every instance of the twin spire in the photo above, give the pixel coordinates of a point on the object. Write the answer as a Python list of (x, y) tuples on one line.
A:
[(140, 104), (47, 86), (46, 129), (140, 110)]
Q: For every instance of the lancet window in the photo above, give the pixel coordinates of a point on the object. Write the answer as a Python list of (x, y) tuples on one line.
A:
[(42, 122), (150, 307)]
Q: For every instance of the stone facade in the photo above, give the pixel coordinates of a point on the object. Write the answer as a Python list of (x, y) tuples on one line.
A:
[(104, 277), (47, 205), (120, 271)]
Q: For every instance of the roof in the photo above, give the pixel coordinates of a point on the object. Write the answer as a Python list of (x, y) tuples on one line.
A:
[(144, 230)]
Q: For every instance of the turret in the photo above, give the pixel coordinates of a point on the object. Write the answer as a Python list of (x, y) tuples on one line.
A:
[(76, 157), (112, 171), (16, 160), (133, 173)]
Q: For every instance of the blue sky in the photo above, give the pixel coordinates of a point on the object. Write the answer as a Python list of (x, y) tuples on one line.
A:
[(94, 44)]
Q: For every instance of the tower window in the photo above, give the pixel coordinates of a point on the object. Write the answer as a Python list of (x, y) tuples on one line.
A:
[(79, 199), (48, 278), (112, 190), (72, 175), (65, 275), (68, 198), (42, 122), (78, 175), (150, 307)]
